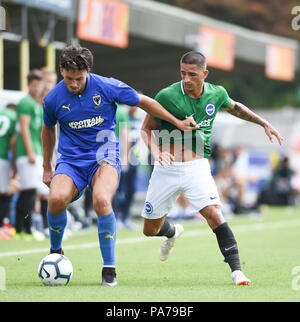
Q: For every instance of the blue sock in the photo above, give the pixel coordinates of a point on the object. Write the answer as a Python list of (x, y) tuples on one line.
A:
[(57, 224), (107, 238)]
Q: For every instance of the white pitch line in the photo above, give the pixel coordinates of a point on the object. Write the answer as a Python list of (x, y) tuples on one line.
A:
[(191, 233)]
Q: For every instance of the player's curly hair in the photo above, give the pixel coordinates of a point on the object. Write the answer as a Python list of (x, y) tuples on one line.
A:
[(76, 58)]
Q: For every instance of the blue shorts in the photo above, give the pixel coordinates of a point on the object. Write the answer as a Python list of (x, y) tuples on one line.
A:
[(81, 171)]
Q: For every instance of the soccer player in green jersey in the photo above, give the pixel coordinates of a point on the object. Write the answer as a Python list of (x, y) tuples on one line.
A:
[(8, 118), (29, 151), (182, 159)]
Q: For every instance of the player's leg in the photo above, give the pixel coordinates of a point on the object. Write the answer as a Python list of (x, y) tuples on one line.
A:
[(68, 184), (104, 184), (5, 199), (202, 193), (161, 227), (225, 237), (159, 201), (62, 192), (226, 241), (29, 182)]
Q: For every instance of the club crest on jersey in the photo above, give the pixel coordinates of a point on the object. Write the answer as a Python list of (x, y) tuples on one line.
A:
[(210, 109), (97, 99)]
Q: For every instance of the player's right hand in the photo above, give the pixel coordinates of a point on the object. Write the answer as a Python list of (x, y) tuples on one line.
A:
[(31, 158), (188, 124), (47, 176)]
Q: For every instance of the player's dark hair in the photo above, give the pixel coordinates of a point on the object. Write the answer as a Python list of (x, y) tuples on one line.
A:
[(76, 58), (194, 57), (34, 74)]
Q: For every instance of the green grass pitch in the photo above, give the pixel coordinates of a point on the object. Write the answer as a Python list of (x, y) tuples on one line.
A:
[(195, 272)]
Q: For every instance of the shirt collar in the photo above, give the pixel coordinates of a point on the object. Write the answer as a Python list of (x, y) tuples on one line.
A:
[(183, 91)]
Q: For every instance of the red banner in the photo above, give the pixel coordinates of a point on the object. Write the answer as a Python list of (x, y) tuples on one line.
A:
[(103, 21)]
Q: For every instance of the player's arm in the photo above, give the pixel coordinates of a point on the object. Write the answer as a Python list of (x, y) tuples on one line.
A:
[(24, 121), (13, 151), (154, 108), (243, 112), (48, 141), (148, 126)]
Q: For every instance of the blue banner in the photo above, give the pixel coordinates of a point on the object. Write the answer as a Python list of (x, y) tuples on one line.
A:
[(61, 7)]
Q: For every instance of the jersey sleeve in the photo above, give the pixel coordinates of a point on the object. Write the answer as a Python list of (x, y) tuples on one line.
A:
[(123, 93), (225, 99), (24, 107), (49, 113)]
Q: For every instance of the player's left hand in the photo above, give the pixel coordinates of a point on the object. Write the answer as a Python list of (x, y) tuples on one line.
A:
[(271, 131), (188, 124), (165, 158)]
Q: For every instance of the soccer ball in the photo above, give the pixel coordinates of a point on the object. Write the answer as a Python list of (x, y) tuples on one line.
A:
[(55, 269)]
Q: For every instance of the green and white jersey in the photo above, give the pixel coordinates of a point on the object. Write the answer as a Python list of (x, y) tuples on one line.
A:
[(8, 120), (28, 106), (203, 109)]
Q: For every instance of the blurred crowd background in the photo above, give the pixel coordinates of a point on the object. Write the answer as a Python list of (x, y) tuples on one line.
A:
[(257, 64)]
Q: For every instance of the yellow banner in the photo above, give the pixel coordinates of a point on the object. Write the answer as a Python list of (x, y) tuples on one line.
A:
[(103, 21)]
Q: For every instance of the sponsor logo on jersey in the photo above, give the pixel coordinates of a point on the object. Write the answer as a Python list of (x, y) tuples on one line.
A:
[(86, 123), (148, 208), (97, 99), (210, 109), (205, 123)]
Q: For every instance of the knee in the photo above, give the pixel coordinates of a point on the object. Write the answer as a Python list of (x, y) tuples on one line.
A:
[(213, 216), (58, 202), (102, 204)]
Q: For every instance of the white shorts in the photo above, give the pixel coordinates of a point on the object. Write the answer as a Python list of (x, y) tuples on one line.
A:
[(31, 175), (193, 178), (4, 175)]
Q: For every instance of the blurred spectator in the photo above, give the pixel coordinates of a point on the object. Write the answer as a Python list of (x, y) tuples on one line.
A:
[(8, 119), (215, 159), (240, 172), (122, 131), (11, 106), (29, 152), (278, 190), (224, 174), (49, 81)]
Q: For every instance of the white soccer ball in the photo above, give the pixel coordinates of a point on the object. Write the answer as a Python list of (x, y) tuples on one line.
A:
[(55, 269)]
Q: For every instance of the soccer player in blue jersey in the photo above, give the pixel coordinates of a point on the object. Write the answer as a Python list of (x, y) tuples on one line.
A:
[(84, 106)]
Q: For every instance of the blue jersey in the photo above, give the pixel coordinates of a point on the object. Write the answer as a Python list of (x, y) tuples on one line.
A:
[(87, 121)]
